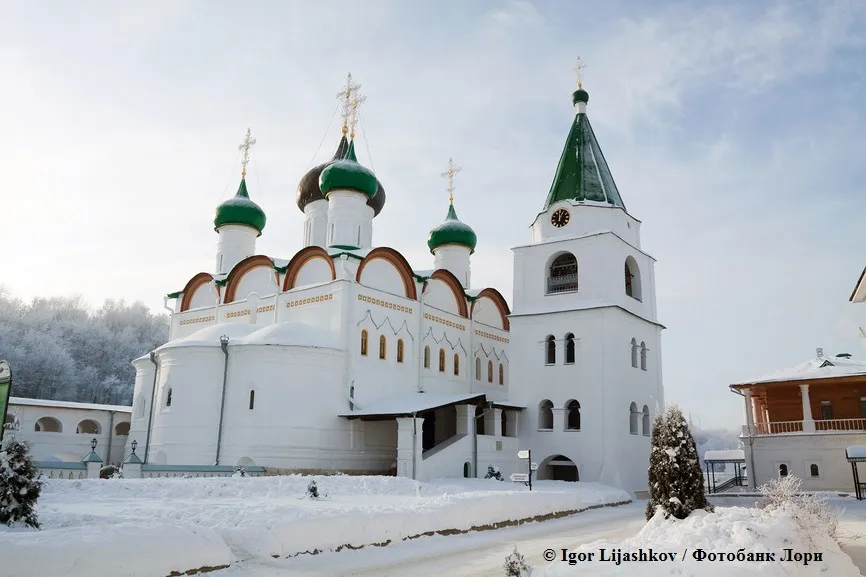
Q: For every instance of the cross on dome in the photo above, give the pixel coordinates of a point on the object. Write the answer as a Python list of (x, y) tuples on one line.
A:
[(244, 147), (450, 174), (578, 70), (349, 101)]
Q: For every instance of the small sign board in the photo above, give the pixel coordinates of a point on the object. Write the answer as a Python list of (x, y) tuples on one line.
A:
[(533, 466), (520, 477), (523, 454)]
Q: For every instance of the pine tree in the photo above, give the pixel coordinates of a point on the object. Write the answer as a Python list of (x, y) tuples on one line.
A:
[(19, 483), (676, 483), (515, 565)]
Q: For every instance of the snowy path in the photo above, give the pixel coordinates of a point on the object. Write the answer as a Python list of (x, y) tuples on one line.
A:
[(473, 554)]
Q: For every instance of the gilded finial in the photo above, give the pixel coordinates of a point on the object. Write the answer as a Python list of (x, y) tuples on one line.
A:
[(449, 174), (578, 69), (244, 147), (345, 98)]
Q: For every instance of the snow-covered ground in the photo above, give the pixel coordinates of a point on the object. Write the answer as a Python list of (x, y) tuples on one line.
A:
[(147, 527)]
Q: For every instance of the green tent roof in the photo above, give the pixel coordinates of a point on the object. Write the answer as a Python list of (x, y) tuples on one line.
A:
[(452, 231), (240, 210), (582, 173)]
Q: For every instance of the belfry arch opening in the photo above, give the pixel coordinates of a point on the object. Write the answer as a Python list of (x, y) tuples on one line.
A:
[(558, 468), (562, 274)]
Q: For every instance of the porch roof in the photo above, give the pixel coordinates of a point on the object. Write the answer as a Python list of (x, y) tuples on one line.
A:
[(725, 456), (855, 453), (813, 370), (507, 405), (408, 404)]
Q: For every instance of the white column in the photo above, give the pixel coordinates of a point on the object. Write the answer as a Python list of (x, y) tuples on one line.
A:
[(511, 423), (808, 422), (493, 423), (750, 415), (465, 419), (558, 419), (409, 446), (93, 470)]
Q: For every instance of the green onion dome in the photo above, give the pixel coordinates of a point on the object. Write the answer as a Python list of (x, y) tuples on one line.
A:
[(348, 174), (452, 231), (580, 95), (240, 210)]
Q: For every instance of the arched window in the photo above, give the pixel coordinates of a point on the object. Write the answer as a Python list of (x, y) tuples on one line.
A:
[(632, 278), (634, 353), (643, 356), (467, 469), (88, 427), (545, 415), (562, 276), (383, 346), (426, 357), (477, 369), (441, 360), (168, 398), (550, 350), (813, 470), (569, 349), (632, 419), (252, 400), (645, 422), (364, 338), (489, 371), (501, 374), (783, 470), (122, 428), (48, 425), (572, 416), (456, 364), (399, 350)]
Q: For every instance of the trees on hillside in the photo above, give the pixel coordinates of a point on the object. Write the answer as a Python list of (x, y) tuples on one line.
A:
[(61, 349)]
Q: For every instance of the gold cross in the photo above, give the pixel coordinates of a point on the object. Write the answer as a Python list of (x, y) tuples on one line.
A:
[(245, 146), (449, 174), (578, 69), (345, 98)]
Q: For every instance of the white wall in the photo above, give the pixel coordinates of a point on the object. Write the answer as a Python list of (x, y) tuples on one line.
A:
[(236, 242), (798, 452), (586, 218)]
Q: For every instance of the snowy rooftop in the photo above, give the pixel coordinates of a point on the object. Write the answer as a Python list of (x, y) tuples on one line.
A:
[(67, 405), (409, 404), (856, 452), (285, 334), (725, 455), (817, 368)]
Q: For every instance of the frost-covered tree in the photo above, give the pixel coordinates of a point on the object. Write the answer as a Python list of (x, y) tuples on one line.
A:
[(676, 483), (515, 565), (313, 490), (20, 484), (493, 473)]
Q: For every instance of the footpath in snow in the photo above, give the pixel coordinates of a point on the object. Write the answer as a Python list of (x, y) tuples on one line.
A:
[(153, 527)]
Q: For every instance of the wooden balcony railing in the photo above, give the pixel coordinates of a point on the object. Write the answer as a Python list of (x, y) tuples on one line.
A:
[(828, 425)]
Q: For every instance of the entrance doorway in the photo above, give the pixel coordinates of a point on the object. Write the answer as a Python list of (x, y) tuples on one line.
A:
[(558, 468)]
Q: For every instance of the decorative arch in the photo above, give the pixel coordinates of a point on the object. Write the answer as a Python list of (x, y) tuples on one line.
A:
[(48, 425), (194, 283), (240, 269), (449, 279), (569, 349), (122, 429), (550, 350), (545, 415), (500, 303), (572, 415), (88, 427), (632, 278), (302, 257), (398, 261), (558, 468)]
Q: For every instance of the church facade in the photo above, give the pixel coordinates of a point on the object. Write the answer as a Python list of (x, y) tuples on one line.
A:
[(346, 358)]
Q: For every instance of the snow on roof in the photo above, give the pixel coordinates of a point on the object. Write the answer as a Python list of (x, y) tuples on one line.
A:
[(725, 455), (507, 405), (856, 452), (285, 334), (21, 401), (408, 404), (425, 273), (817, 368), (280, 262)]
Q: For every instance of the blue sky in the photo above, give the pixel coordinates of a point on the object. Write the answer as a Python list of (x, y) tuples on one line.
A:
[(734, 130)]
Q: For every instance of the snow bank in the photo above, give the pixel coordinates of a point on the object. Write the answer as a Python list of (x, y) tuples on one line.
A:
[(260, 517), (728, 530)]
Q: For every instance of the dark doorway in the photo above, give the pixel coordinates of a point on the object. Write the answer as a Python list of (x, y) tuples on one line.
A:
[(428, 431)]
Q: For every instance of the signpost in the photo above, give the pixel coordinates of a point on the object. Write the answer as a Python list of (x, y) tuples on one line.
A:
[(5, 392), (526, 455)]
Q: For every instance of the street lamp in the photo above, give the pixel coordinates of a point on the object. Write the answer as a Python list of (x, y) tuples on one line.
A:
[(134, 445), (93, 444)]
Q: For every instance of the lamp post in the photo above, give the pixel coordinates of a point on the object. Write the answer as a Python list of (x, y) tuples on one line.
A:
[(93, 444), (134, 445)]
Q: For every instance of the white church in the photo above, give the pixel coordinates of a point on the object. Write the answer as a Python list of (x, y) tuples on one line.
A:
[(345, 357)]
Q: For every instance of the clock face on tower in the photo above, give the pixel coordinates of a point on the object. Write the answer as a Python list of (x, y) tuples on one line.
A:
[(560, 218)]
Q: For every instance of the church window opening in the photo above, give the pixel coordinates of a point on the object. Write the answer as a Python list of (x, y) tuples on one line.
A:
[(632, 419), (168, 398), (545, 415), (364, 339), (572, 416), (569, 349), (399, 350), (550, 350), (426, 357), (634, 353), (562, 276), (456, 365), (501, 374), (477, 369), (252, 400), (88, 427), (642, 356), (441, 360), (783, 470), (813, 470), (632, 278), (48, 425), (645, 422), (383, 346), (489, 371), (826, 410)]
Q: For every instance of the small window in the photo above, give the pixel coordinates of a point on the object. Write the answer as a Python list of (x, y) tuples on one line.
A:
[(426, 357), (501, 374), (633, 419), (441, 360), (168, 398), (383, 346), (252, 400), (628, 280), (456, 364), (569, 349), (550, 357), (399, 350), (813, 470), (477, 369), (545, 415), (826, 410), (783, 470), (645, 422), (572, 416), (489, 371), (643, 350), (364, 339), (562, 275), (634, 353)]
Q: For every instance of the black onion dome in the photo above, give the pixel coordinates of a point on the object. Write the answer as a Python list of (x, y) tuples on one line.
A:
[(308, 187)]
